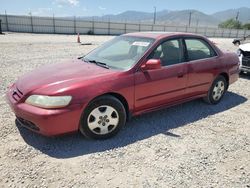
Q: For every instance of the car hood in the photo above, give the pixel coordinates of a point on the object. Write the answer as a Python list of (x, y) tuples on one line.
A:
[(66, 73), (245, 47)]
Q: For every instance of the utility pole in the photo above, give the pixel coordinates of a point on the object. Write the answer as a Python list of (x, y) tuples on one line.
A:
[(54, 25), (190, 18), (31, 22), (237, 16), (154, 14), (7, 21)]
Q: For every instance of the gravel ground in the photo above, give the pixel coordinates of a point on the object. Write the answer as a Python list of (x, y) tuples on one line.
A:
[(189, 145)]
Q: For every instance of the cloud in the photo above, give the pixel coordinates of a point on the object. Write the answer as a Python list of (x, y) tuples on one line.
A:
[(61, 3), (102, 8)]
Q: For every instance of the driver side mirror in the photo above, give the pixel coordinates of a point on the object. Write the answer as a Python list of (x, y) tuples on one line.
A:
[(151, 64)]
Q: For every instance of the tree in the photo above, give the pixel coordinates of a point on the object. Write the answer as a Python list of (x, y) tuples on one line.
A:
[(246, 26), (231, 24)]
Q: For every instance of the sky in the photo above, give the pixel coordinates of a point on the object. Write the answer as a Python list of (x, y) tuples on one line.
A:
[(103, 7)]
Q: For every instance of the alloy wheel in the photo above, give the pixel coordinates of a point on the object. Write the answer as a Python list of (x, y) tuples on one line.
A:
[(218, 90)]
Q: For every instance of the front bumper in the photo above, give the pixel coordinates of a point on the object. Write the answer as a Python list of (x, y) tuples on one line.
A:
[(48, 122)]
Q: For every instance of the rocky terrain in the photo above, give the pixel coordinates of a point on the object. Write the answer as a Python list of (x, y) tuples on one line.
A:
[(189, 145)]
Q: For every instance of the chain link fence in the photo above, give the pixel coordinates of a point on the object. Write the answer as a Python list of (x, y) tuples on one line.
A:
[(58, 25)]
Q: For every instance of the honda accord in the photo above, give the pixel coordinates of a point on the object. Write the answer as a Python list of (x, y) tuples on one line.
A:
[(131, 74)]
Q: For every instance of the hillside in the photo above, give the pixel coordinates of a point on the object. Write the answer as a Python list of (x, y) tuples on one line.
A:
[(180, 17)]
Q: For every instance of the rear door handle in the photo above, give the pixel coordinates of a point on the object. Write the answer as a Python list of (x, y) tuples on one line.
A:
[(180, 75)]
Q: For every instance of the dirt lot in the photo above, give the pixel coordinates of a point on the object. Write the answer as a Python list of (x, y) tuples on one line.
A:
[(190, 145)]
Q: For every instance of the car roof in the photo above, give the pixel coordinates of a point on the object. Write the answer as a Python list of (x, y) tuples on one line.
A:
[(160, 35)]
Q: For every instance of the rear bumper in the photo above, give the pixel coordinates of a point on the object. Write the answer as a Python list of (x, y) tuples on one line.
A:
[(234, 74), (48, 122)]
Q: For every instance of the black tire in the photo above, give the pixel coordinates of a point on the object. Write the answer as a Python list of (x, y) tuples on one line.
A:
[(97, 104), (210, 98)]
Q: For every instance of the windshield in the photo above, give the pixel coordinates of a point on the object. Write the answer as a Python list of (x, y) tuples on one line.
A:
[(122, 52)]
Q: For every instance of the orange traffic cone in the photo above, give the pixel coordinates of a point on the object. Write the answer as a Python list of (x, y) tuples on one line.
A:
[(78, 38)]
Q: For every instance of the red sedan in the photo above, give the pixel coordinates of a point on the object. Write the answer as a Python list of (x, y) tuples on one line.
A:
[(127, 76)]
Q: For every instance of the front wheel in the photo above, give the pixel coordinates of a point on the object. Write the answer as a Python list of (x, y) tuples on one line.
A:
[(217, 90), (103, 118)]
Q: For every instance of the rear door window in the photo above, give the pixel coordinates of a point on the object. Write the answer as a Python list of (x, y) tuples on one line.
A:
[(198, 49)]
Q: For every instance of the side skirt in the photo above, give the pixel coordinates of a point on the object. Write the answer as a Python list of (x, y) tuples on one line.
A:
[(167, 105)]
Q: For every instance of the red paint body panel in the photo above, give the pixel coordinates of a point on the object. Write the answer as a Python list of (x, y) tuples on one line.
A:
[(143, 91), (156, 87), (50, 122)]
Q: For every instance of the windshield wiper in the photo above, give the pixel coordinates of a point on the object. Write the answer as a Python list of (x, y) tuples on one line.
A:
[(81, 57), (104, 65)]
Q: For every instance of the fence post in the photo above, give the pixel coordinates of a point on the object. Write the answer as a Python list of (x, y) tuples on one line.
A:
[(214, 32), (7, 23), (1, 27), (31, 22), (222, 33), (245, 31), (230, 33), (237, 33), (54, 24), (140, 26), (93, 25), (125, 28), (205, 31), (74, 25), (109, 26)]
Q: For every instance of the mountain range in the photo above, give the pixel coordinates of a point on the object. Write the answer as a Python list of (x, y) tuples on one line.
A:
[(180, 17)]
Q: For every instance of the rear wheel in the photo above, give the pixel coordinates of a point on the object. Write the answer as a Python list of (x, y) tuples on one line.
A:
[(103, 118), (217, 90)]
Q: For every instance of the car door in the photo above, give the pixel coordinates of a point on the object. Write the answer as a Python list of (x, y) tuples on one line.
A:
[(202, 62), (166, 85)]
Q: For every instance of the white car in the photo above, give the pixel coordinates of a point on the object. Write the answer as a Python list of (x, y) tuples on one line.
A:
[(243, 40), (244, 55)]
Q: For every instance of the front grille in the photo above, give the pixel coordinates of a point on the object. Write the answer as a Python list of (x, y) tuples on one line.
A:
[(27, 124), (245, 53), (16, 94), (246, 61)]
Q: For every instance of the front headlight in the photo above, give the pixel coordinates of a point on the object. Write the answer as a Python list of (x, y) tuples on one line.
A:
[(48, 101)]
